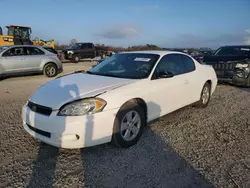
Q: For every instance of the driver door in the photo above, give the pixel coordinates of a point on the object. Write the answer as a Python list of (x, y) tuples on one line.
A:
[(168, 93)]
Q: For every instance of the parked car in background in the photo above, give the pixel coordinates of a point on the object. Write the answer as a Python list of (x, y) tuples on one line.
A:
[(199, 55), (116, 99), (78, 51), (231, 64), (28, 59), (102, 59)]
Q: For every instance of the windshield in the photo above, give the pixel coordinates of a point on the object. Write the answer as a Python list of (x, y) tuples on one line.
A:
[(126, 65), (75, 46), (20, 32), (242, 51)]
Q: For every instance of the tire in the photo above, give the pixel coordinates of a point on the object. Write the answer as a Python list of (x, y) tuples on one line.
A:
[(76, 58), (119, 137), (248, 81), (50, 70), (205, 96)]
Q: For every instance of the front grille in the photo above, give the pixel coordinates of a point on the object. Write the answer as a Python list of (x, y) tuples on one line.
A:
[(43, 133), (223, 66), (40, 109)]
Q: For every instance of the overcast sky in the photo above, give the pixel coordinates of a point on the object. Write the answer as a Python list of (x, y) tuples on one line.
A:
[(167, 23)]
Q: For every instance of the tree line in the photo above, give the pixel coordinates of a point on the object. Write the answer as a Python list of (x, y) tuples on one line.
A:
[(133, 48)]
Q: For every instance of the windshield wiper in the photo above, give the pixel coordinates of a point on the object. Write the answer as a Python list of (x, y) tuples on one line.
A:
[(80, 71), (88, 72), (103, 74)]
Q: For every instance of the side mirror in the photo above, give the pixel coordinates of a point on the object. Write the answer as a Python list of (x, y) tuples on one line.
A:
[(165, 75)]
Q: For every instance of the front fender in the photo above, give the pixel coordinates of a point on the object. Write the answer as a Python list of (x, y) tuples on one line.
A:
[(131, 91)]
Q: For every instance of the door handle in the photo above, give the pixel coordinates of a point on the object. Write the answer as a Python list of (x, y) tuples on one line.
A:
[(186, 82)]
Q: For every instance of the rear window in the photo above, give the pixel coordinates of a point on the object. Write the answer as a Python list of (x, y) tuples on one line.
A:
[(52, 50), (242, 51), (2, 48)]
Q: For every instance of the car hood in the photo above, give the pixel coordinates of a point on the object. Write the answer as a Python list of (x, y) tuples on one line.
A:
[(71, 87)]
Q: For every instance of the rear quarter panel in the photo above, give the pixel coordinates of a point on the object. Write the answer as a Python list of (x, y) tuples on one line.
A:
[(1, 68), (50, 59), (207, 73)]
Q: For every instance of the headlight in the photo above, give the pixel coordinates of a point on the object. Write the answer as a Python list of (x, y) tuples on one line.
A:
[(242, 65), (82, 107), (70, 52)]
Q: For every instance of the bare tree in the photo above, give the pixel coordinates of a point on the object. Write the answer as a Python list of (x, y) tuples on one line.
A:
[(73, 41)]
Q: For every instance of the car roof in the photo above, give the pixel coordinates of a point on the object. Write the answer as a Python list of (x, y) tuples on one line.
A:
[(156, 52), (21, 46), (238, 46)]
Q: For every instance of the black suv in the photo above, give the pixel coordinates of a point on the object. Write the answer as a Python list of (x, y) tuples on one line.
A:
[(231, 64), (78, 51)]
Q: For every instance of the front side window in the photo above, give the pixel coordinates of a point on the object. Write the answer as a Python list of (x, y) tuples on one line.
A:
[(126, 65), (84, 46), (75, 46), (170, 64), (17, 51), (52, 50), (33, 51)]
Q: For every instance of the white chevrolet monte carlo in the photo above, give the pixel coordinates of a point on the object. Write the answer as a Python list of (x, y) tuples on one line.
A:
[(114, 101)]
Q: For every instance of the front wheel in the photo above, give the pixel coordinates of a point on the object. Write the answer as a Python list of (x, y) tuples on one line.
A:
[(128, 126), (248, 81), (76, 58), (50, 70), (205, 96)]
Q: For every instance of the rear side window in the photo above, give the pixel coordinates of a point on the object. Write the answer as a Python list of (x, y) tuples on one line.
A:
[(51, 50), (33, 51), (188, 63), (17, 51)]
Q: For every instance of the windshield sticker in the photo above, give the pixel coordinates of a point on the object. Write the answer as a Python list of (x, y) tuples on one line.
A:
[(245, 49), (142, 59)]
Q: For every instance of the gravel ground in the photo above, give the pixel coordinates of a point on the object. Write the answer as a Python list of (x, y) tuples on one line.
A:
[(188, 148)]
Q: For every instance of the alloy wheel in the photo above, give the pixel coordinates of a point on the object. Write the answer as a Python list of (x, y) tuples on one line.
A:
[(130, 125)]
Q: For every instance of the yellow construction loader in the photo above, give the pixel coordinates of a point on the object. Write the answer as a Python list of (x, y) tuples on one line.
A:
[(20, 35)]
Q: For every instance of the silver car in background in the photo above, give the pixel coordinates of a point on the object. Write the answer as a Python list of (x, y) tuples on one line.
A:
[(29, 59)]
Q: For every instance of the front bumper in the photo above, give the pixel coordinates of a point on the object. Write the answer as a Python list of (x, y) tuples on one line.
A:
[(70, 131), (67, 55), (236, 77)]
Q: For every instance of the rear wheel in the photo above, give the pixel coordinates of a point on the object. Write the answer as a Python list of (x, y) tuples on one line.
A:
[(50, 70), (128, 126), (205, 96)]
